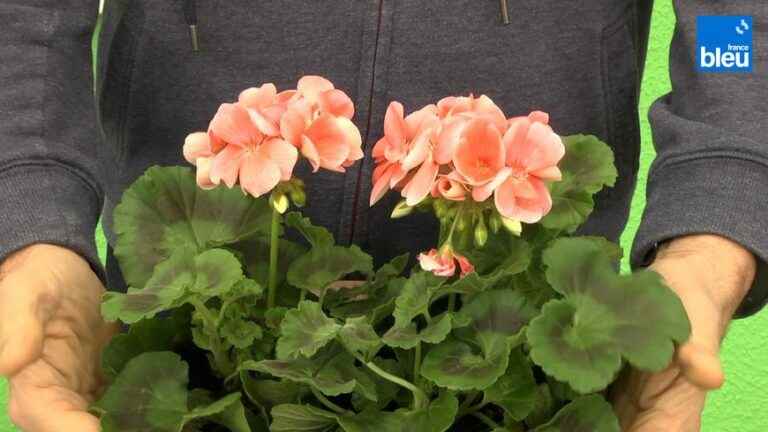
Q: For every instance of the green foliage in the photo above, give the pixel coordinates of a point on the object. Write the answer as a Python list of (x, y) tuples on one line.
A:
[(602, 317), (150, 393), (587, 167), (394, 352), (164, 211)]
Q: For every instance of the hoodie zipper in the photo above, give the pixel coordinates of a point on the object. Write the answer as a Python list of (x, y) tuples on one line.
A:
[(358, 182), (504, 6)]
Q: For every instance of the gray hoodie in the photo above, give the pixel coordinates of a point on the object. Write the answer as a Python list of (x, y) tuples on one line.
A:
[(67, 156)]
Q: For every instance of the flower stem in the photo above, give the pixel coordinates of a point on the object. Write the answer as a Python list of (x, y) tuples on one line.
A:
[(327, 402), (419, 398), (417, 363), (274, 249), (487, 420), (451, 302)]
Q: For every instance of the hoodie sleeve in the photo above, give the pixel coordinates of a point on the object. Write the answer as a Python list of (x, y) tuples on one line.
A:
[(50, 158), (711, 135)]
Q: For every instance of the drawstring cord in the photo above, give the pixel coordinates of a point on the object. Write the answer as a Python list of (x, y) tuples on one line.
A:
[(504, 11), (190, 15)]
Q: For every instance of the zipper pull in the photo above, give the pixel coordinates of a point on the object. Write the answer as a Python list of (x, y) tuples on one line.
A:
[(504, 11), (190, 14)]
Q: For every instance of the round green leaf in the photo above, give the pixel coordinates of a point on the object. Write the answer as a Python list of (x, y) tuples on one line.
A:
[(586, 414), (164, 211), (305, 330), (453, 364)]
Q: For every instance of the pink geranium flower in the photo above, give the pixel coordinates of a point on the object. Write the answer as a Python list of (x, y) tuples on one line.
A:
[(407, 145), (532, 152), (450, 187), (317, 120), (258, 161), (443, 262)]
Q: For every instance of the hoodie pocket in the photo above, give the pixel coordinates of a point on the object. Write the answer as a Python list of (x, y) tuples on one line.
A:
[(621, 85)]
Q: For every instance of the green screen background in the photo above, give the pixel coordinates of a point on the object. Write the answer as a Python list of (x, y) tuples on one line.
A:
[(739, 405)]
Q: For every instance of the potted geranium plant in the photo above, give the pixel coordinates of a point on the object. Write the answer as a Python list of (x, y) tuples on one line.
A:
[(511, 323)]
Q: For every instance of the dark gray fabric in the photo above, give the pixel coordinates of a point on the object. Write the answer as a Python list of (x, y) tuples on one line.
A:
[(580, 61)]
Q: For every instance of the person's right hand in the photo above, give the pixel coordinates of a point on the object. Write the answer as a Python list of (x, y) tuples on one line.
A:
[(51, 336)]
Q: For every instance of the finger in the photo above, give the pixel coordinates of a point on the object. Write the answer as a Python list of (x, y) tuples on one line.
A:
[(41, 401), (25, 307), (700, 366)]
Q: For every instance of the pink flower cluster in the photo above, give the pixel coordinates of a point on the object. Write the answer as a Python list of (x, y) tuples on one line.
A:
[(465, 147), (256, 141), (443, 262)]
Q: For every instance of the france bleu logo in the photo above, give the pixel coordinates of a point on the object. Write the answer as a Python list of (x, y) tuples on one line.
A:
[(724, 43)]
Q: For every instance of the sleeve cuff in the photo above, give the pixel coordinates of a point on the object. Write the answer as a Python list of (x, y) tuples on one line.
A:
[(723, 196), (48, 203)]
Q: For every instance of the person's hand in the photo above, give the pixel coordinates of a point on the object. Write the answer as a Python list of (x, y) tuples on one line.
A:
[(711, 275), (51, 336)]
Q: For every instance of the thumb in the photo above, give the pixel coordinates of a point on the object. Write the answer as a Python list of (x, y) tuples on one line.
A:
[(701, 366), (26, 304)]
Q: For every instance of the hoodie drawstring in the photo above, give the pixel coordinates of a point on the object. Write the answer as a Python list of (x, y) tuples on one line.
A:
[(190, 15), (504, 11)]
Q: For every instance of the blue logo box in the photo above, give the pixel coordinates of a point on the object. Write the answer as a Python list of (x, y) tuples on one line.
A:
[(724, 44)]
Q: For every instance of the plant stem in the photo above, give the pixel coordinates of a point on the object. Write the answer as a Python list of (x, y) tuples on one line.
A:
[(468, 399), (220, 356), (451, 302), (274, 249), (453, 225), (419, 398), (472, 409), (487, 420), (327, 402), (417, 363)]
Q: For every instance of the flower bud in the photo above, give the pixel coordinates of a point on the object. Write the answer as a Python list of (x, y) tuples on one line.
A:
[(512, 225), (279, 202), (494, 222), (298, 196), (481, 232), (401, 209)]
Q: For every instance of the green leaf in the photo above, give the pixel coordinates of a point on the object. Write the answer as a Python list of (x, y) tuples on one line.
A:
[(376, 305), (586, 414), (437, 417), (301, 418), (318, 237), (156, 334), (358, 335), (319, 267), (497, 315), (240, 333), (268, 393), (151, 394), (543, 407), (305, 330), (515, 391), (164, 211), (232, 416), (408, 337), (454, 365), (414, 299), (212, 273), (587, 167), (503, 255), (603, 317), (332, 375)]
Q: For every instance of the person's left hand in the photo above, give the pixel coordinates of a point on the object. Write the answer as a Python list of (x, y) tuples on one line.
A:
[(711, 275)]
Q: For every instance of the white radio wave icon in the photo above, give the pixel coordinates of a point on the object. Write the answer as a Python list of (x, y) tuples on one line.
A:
[(742, 27)]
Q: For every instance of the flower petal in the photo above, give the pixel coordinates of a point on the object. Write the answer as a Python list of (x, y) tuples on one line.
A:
[(331, 137), (283, 154), (309, 151), (265, 125), (258, 174), (203, 174), (480, 154), (258, 97), (311, 86), (483, 192), (394, 124), (337, 103), (233, 125), (448, 138), (529, 208), (381, 182), (226, 165), (197, 145), (421, 183), (548, 147), (293, 123)]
